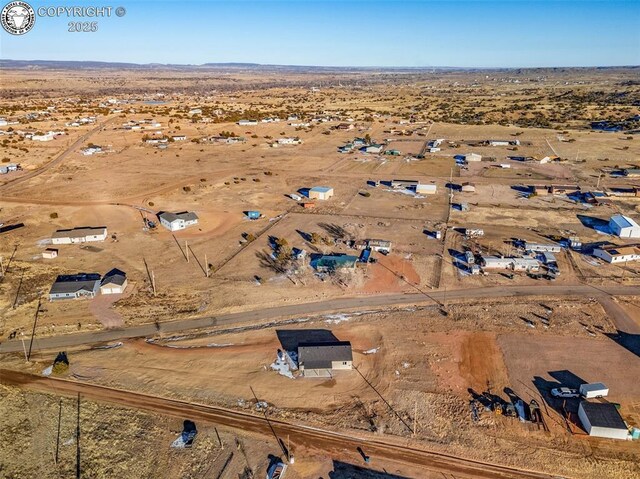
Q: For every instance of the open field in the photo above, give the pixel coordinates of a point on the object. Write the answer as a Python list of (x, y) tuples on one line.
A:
[(212, 301)]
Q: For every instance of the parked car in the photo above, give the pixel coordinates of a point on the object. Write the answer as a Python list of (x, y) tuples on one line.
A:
[(565, 393)]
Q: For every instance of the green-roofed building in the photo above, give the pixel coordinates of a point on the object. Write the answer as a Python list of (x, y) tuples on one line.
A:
[(331, 262)]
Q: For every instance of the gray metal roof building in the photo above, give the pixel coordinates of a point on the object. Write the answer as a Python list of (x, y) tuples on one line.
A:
[(602, 420), (319, 359), (75, 286)]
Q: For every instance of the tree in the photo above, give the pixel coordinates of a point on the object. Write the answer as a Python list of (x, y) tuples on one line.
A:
[(281, 242)]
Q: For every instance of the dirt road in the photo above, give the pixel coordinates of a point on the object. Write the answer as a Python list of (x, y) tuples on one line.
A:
[(307, 309), (618, 315), (60, 158), (330, 442)]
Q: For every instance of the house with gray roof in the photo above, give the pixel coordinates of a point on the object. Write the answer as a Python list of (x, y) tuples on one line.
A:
[(318, 360), (75, 286), (177, 221), (114, 282)]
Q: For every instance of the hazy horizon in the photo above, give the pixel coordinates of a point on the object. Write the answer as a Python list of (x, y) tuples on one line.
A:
[(381, 67)]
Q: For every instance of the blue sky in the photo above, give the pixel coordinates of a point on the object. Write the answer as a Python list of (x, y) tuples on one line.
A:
[(424, 33)]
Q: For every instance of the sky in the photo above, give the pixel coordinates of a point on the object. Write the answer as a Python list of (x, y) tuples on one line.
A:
[(481, 33)]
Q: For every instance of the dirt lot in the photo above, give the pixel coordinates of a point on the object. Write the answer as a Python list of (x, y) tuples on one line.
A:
[(411, 358)]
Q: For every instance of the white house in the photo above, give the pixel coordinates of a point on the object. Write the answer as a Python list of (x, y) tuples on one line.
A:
[(379, 245), (114, 282), (178, 221), (602, 420), (50, 135), (426, 189), (542, 247), (469, 157), (468, 188), (8, 168), (289, 141), (247, 122), (515, 264), (624, 227), (179, 137), (320, 193), (50, 253), (372, 149), (91, 150), (618, 254), (79, 235)]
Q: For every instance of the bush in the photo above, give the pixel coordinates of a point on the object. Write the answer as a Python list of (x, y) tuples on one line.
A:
[(53, 216), (150, 203), (186, 189), (366, 194)]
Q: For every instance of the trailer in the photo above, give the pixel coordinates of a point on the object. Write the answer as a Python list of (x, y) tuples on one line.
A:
[(593, 390)]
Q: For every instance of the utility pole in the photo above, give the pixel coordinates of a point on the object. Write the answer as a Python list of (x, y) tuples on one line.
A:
[(58, 436), (33, 332), (153, 282), (186, 247), (206, 265), (219, 440), (415, 418), (78, 441)]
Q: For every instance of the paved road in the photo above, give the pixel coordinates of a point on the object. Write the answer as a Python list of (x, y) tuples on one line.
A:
[(332, 443), (60, 158), (307, 309)]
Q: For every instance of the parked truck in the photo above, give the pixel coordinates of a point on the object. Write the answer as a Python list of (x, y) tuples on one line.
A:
[(593, 390)]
